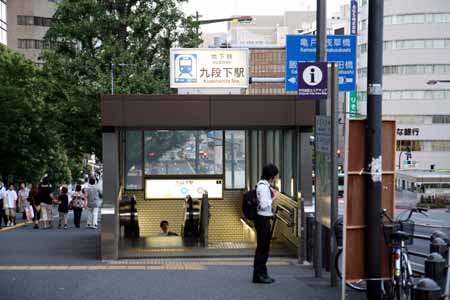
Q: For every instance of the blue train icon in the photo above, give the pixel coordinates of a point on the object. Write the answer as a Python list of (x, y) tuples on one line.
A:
[(185, 65)]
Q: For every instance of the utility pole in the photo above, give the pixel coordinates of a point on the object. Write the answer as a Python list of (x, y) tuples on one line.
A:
[(373, 232), (321, 55), (113, 73)]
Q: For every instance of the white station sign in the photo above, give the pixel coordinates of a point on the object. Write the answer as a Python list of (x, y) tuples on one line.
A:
[(209, 68), (180, 188)]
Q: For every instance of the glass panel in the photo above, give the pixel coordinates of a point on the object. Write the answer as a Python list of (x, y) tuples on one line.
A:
[(439, 44), (235, 159), (286, 180), (254, 157), (269, 141), (133, 160), (183, 152)]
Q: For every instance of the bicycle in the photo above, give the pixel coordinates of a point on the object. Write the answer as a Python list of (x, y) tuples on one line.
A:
[(401, 280), (401, 233), (358, 285)]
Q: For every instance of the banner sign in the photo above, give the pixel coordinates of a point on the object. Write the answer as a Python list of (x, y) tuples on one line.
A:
[(209, 68), (353, 105), (341, 49), (354, 17)]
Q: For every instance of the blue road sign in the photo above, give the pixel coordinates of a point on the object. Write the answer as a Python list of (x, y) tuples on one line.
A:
[(341, 49), (354, 17), (312, 81)]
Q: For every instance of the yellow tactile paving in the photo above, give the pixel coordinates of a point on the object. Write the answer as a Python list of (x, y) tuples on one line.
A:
[(14, 227), (144, 265)]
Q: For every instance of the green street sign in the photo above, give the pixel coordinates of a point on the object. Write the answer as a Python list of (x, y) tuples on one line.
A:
[(353, 105)]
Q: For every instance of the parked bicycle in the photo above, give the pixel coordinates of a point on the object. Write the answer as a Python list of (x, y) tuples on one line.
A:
[(398, 234)]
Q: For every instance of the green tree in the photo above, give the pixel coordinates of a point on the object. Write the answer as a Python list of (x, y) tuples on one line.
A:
[(29, 144), (87, 36)]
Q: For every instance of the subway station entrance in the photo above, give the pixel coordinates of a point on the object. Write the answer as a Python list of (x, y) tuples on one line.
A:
[(188, 160)]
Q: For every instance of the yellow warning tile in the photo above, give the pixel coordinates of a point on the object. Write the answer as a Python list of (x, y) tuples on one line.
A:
[(98, 268), (38, 268), (53, 268), (78, 267), (14, 268), (136, 268), (117, 267), (154, 267)]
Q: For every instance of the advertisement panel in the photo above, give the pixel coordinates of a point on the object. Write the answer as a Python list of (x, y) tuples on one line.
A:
[(209, 68), (180, 188)]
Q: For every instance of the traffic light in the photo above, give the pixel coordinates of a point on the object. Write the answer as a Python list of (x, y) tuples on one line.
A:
[(338, 152), (408, 157)]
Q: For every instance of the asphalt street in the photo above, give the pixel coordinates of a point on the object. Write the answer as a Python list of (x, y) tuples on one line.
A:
[(58, 264)]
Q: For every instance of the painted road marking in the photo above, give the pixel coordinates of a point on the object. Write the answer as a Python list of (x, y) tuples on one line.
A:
[(14, 227)]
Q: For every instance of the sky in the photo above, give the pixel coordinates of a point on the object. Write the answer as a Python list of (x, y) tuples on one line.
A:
[(214, 9)]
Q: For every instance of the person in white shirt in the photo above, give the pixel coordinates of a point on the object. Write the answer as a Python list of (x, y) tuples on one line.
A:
[(265, 195), (10, 203), (2, 205), (23, 196)]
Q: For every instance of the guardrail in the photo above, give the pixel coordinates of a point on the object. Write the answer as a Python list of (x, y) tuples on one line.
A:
[(426, 255)]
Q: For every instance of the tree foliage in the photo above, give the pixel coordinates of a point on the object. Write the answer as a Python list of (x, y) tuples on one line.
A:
[(88, 36), (30, 144)]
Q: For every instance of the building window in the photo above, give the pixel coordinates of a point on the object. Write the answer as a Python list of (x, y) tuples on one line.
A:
[(440, 146), (441, 119), (183, 152), (235, 159), (33, 21), (133, 160)]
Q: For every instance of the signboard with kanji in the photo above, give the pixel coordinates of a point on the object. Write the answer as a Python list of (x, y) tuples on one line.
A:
[(341, 49), (353, 105), (312, 81), (209, 68)]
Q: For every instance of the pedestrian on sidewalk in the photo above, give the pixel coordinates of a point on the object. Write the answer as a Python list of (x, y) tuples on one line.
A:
[(46, 200), (23, 196), (92, 198), (10, 202), (77, 205), (265, 195), (3, 217), (63, 207), (35, 203)]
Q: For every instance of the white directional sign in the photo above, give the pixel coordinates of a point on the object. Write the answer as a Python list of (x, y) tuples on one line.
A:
[(209, 68)]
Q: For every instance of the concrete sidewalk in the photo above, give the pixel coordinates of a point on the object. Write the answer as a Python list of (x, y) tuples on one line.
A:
[(63, 264)]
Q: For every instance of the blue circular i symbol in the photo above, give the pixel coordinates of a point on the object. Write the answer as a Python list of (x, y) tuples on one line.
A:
[(184, 190)]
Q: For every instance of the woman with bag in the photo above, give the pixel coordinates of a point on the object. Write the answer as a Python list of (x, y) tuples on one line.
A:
[(23, 203), (35, 204), (77, 205)]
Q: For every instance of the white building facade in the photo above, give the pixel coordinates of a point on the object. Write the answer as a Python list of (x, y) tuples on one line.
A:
[(416, 50), (3, 24)]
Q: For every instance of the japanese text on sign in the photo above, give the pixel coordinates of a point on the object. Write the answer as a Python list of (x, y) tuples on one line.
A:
[(408, 131), (341, 49), (209, 68)]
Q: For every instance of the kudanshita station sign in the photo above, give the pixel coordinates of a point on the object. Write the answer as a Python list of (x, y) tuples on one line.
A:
[(209, 68)]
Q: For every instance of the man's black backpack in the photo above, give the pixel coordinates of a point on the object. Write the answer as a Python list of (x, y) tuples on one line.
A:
[(250, 204)]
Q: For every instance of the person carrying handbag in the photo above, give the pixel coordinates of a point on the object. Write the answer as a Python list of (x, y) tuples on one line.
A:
[(76, 204)]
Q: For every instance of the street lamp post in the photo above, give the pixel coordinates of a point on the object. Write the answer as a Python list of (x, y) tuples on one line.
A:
[(434, 82)]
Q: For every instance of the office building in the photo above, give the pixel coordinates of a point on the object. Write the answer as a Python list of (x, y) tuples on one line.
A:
[(416, 50), (28, 22), (3, 22), (269, 29)]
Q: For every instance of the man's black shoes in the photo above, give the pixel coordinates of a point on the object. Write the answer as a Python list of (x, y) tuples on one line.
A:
[(263, 279)]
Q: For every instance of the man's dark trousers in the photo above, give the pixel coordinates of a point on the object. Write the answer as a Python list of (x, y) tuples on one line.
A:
[(263, 236)]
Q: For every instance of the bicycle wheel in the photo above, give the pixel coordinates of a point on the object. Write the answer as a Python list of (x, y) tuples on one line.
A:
[(405, 278), (359, 285)]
